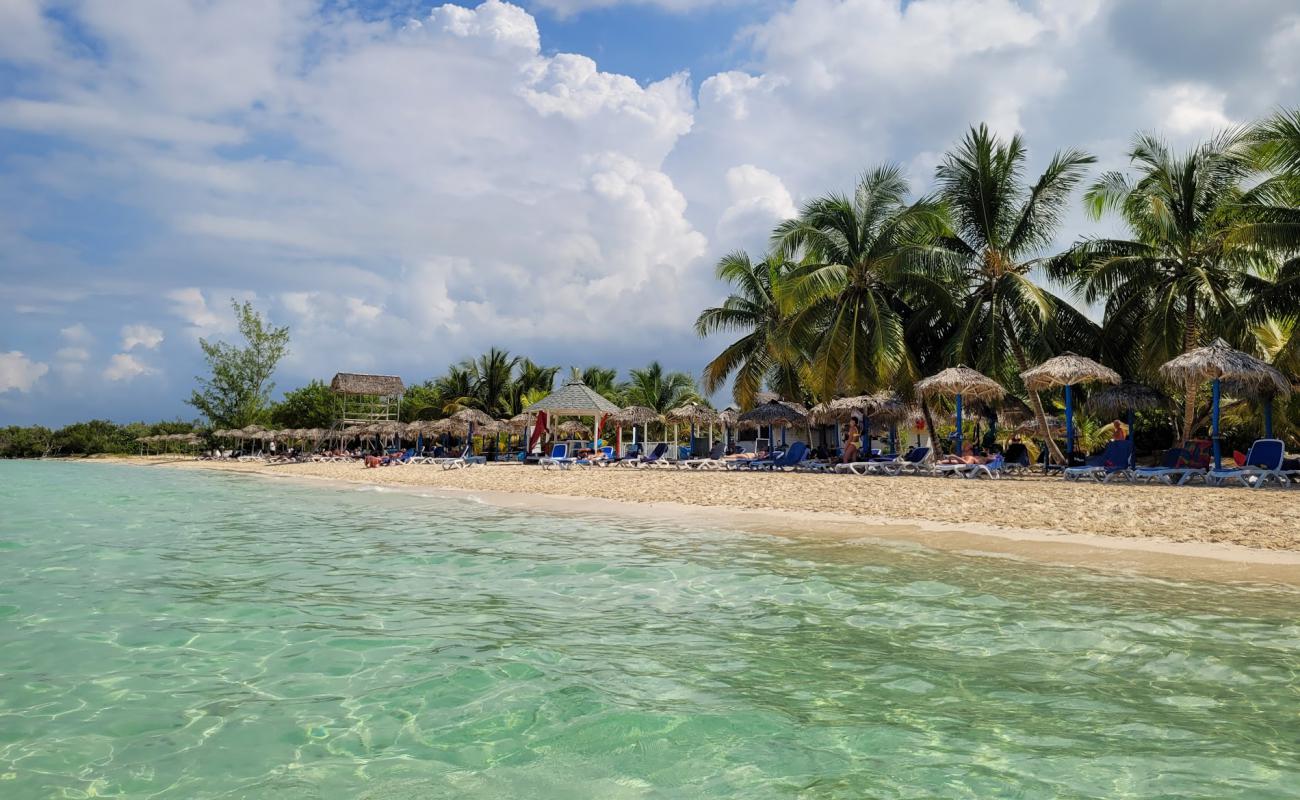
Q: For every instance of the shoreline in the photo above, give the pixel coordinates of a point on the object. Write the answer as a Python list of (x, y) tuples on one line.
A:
[(1144, 554)]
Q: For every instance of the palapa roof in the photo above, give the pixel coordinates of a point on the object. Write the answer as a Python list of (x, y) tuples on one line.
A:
[(1220, 360), (356, 383), (1116, 400), (961, 380), (574, 398), (635, 415), (693, 412), (472, 416), (776, 412), (573, 427), (728, 416), (1067, 369)]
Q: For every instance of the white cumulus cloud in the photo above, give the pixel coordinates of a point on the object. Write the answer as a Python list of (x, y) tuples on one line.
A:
[(145, 336), (125, 367), (18, 372)]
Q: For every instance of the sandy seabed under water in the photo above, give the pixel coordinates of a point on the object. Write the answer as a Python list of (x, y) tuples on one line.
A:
[(1122, 525)]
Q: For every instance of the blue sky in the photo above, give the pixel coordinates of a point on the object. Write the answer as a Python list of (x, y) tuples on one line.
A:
[(405, 183)]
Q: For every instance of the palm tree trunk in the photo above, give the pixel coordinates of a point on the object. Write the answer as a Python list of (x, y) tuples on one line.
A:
[(929, 426), (1190, 335), (1036, 403)]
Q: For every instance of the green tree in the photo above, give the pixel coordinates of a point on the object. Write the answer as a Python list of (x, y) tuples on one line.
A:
[(310, 406), (35, 441), (1001, 225), (1179, 281), (530, 379), (604, 380), (759, 308), (663, 391), (865, 260), (238, 391)]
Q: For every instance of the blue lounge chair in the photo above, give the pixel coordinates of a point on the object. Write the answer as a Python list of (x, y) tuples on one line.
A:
[(558, 458), (712, 461), (1263, 463), (656, 458), (1114, 460), (788, 460), (1174, 457), (915, 462), (994, 468)]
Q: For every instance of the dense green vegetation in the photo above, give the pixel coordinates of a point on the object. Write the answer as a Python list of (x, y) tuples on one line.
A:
[(872, 291)]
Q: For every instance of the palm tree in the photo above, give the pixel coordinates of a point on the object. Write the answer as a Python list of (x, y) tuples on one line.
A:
[(759, 309), (865, 258), (530, 379), (492, 375), (604, 380), (1001, 224), (455, 389), (1179, 281), (652, 387)]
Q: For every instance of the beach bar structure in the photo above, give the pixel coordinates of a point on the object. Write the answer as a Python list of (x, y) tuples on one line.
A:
[(366, 399)]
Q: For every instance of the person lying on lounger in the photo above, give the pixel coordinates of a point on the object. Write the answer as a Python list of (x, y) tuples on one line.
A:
[(745, 456), (967, 457)]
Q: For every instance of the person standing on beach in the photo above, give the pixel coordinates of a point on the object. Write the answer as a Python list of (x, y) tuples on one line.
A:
[(852, 443)]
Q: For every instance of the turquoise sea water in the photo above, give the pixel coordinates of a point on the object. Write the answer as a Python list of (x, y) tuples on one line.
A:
[(169, 634)]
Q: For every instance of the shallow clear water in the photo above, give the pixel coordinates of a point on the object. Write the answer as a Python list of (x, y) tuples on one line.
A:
[(181, 635)]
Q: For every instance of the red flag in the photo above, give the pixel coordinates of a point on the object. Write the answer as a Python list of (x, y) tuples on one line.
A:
[(538, 430)]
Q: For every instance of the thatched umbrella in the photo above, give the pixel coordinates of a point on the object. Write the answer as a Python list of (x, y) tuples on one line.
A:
[(693, 414), (1219, 363), (634, 416), (1067, 370), (777, 414), (1126, 398), (960, 382), (573, 427)]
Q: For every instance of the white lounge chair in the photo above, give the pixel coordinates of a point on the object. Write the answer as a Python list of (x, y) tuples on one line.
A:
[(1263, 463)]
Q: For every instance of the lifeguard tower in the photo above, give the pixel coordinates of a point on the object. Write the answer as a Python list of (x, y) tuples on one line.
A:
[(366, 399)]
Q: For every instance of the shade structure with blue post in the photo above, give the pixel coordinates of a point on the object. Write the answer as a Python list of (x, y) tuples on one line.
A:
[(1268, 417), (963, 384), (776, 413), (1223, 367), (1127, 399), (960, 428), (1067, 371)]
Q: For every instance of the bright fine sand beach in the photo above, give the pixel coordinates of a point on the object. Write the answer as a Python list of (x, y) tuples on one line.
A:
[(1019, 515)]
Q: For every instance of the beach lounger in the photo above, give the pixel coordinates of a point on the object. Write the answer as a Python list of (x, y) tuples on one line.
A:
[(783, 461), (916, 462), (604, 457), (559, 458), (995, 468), (1173, 457), (874, 465), (656, 458), (712, 461), (1114, 460), (1263, 463), (1193, 466)]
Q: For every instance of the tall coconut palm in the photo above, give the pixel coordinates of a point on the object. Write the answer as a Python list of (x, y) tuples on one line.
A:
[(864, 260), (1002, 224), (1179, 281), (492, 376), (759, 308), (530, 377), (604, 380), (653, 387)]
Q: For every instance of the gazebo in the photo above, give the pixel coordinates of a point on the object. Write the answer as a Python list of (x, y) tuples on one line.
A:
[(573, 399), (962, 383), (365, 399)]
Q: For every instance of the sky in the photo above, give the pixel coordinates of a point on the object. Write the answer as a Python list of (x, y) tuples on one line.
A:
[(405, 184)]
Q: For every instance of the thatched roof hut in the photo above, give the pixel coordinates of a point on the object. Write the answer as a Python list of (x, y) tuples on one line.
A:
[(635, 415), (695, 413), (1067, 369), (472, 416), (355, 383), (961, 380), (1220, 361), (777, 413), (575, 399), (444, 426), (1115, 401), (573, 427)]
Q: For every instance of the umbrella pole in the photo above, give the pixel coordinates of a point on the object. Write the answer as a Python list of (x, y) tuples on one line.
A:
[(1268, 418), (959, 448), (1069, 425), (1218, 449), (893, 438), (1132, 447)]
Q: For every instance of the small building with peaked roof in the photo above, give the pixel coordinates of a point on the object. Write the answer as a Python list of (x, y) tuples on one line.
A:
[(365, 399)]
